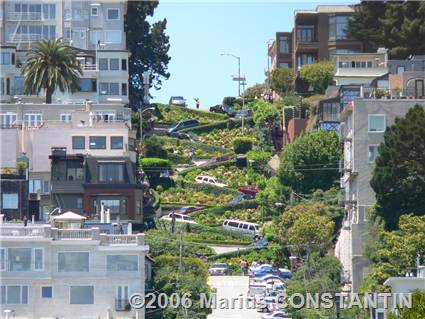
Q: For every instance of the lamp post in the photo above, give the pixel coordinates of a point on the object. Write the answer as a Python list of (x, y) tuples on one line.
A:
[(269, 45), (141, 121)]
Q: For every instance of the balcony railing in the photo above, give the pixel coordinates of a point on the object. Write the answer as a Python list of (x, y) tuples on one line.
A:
[(90, 67), (75, 233), (24, 16), (17, 37), (17, 231)]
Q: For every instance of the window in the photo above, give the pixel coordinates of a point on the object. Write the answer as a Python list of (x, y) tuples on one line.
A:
[(4, 58), (113, 36), (103, 64), (49, 11), (46, 292), (34, 186), (122, 262), (104, 88), (46, 188), (111, 172), (124, 89), (88, 85), (19, 259), (114, 89), (305, 33), (283, 65), (114, 64), (74, 172), (7, 119), (338, 27), (33, 119), (81, 295), (79, 202), (115, 206), (373, 152), (65, 117), (400, 69), (376, 123), (383, 84), (97, 142), (2, 259), (94, 11), (122, 297), (124, 64), (73, 261), (105, 116), (117, 142), (284, 44), (113, 14), (305, 58), (78, 142), (82, 35), (14, 295), (9, 201), (38, 259)]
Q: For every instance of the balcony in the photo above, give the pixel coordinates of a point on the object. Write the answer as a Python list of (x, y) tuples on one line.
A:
[(24, 37), (90, 67), (24, 16)]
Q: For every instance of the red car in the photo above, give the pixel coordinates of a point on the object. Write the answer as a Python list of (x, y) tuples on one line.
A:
[(187, 209), (249, 190)]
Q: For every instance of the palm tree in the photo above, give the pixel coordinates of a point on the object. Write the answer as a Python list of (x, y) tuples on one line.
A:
[(51, 64)]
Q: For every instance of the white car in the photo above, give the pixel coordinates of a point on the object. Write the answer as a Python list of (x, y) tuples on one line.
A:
[(181, 218), (276, 314), (201, 179)]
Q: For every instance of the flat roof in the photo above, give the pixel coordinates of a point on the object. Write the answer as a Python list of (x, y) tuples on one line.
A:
[(327, 9)]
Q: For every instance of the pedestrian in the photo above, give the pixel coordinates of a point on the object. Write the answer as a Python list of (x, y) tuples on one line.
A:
[(120, 230), (25, 221), (243, 265), (197, 102)]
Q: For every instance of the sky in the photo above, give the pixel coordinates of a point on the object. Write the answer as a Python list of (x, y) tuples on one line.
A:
[(201, 30)]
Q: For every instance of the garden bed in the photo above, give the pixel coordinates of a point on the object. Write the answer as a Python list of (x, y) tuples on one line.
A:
[(171, 114)]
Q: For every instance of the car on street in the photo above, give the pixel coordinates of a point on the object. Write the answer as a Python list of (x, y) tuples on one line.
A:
[(241, 226), (262, 270), (211, 180), (181, 218), (276, 314), (239, 198), (219, 269), (249, 190), (223, 110), (182, 125), (284, 273), (177, 100), (184, 136), (187, 209)]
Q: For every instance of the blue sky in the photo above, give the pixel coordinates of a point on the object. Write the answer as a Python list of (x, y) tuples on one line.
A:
[(199, 31)]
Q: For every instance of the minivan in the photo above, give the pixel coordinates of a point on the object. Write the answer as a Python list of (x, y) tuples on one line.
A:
[(241, 226), (182, 125)]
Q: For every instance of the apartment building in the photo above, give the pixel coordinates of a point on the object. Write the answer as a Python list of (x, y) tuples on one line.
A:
[(99, 130), (407, 77), (96, 28), (69, 272), (317, 35), (363, 124)]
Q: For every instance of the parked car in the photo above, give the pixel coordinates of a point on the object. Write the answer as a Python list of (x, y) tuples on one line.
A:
[(177, 100), (249, 190), (240, 198), (276, 314), (243, 113), (219, 269), (201, 179), (285, 273), (181, 218), (182, 125), (187, 209), (184, 136), (262, 270), (241, 226), (223, 110), (221, 158)]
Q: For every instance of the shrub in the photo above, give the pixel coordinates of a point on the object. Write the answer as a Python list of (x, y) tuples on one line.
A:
[(242, 145), (154, 147), (153, 167)]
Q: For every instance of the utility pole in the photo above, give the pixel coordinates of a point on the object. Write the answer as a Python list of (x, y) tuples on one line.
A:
[(181, 251)]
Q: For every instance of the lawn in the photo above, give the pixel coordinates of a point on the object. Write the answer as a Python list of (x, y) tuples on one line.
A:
[(190, 196), (170, 114), (225, 137)]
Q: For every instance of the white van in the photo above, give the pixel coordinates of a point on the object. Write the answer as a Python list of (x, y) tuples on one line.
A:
[(209, 180), (240, 226)]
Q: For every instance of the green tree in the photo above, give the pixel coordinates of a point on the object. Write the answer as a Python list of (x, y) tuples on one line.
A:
[(154, 147), (242, 145), (266, 116), (51, 65), (149, 46), (282, 80), (153, 167), (255, 91), (416, 312), (398, 177), (318, 75), (310, 162), (395, 25)]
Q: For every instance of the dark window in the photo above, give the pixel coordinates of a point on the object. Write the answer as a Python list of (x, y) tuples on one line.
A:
[(114, 64), (111, 172), (78, 142), (284, 44), (124, 89), (97, 142), (103, 64), (13, 58), (233, 224), (47, 292), (88, 85), (113, 14), (124, 64), (74, 173), (117, 142)]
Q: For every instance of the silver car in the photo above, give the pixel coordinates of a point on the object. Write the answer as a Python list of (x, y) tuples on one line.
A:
[(177, 100), (219, 269)]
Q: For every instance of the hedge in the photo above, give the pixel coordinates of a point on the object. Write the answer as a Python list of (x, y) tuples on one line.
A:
[(228, 163), (236, 253), (207, 128), (207, 188), (245, 204)]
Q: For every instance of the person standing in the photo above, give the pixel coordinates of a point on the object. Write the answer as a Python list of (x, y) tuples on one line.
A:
[(197, 102), (25, 221)]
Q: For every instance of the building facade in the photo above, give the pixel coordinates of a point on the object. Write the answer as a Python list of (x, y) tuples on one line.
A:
[(363, 124), (49, 272)]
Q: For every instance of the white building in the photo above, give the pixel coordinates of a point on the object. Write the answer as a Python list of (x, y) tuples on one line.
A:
[(49, 272)]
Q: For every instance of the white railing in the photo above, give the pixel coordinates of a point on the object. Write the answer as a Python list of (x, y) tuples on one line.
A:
[(89, 67), (31, 231), (74, 234), (24, 16), (121, 239), (24, 37)]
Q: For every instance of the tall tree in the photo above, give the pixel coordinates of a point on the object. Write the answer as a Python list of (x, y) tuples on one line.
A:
[(282, 81), (51, 65), (399, 175), (310, 162), (149, 46), (416, 311), (318, 75), (255, 91)]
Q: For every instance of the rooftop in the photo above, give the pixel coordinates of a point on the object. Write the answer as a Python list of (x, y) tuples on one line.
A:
[(327, 9)]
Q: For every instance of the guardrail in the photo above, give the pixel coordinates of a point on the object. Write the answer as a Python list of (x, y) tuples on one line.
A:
[(17, 231)]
